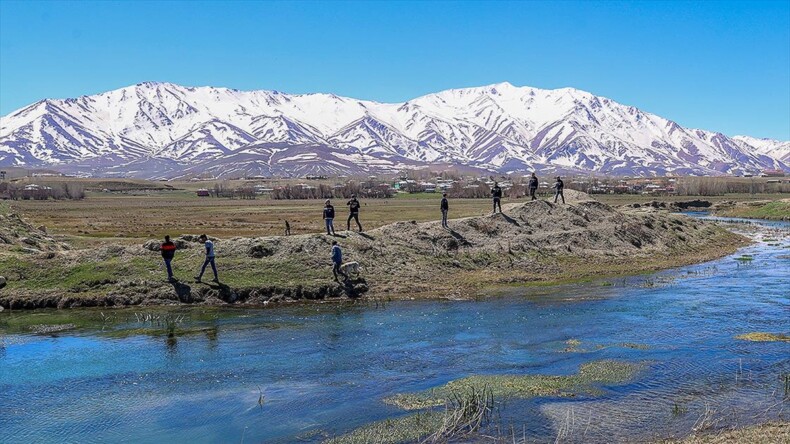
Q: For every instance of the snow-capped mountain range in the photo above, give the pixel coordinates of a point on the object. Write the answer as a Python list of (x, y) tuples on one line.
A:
[(163, 130)]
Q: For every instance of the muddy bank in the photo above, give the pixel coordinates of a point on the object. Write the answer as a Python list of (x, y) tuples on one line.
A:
[(533, 243)]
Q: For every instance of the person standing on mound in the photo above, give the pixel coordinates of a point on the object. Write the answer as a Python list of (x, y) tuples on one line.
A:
[(353, 212), (496, 194), (533, 186), (445, 206), (329, 217), (558, 186)]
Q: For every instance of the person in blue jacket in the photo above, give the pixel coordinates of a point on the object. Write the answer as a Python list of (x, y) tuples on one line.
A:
[(337, 260)]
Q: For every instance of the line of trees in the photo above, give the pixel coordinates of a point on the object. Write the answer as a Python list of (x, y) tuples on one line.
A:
[(323, 191), (59, 191)]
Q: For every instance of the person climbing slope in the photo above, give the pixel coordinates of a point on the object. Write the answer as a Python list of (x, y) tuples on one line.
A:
[(337, 260)]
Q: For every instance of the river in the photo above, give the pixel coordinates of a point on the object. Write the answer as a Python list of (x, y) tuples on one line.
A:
[(311, 371)]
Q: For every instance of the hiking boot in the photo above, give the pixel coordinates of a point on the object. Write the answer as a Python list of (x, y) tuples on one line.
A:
[(215, 280), (197, 279)]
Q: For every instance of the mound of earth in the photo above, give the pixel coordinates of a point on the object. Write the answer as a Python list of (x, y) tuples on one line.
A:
[(16, 233), (536, 241)]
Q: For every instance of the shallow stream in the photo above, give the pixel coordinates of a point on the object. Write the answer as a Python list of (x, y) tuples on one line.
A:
[(310, 372)]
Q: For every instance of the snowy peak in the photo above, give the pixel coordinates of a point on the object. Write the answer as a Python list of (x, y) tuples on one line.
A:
[(499, 127)]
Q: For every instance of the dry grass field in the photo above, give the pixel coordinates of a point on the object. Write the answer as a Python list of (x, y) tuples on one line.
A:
[(143, 209), (178, 212)]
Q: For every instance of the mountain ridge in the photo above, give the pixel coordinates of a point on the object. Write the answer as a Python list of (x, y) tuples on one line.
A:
[(499, 128)]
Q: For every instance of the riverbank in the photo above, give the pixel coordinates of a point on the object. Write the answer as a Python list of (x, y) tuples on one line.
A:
[(535, 243), (766, 209)]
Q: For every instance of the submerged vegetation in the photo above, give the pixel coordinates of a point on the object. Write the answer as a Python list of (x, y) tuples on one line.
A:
[(524, 386), (764, 337)]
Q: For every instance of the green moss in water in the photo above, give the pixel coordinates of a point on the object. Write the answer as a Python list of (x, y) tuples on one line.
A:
[(408, 428), (764, 337), (524, 386)]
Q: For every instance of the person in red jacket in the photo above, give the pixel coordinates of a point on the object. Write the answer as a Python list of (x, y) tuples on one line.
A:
[(168, 250)]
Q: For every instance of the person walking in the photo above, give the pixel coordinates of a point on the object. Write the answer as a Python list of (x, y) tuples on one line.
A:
[(329, 217), (558, 186), (445, 208), (533, 186), (168, 250), (496, 193), (209, 259), (337, 260), (353, 212), (287, 228)]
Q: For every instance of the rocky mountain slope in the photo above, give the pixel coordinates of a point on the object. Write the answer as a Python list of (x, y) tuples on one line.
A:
[(163, 130)]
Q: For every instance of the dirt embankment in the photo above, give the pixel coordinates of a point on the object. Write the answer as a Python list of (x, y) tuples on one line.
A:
[(535, 242)]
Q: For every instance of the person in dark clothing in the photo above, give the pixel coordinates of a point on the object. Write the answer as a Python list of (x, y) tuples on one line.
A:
[(353, 212), (209, 258), (496, 193), (445, 208), (558, 186), (533, 186), (287, 228), (168, 250), (329, 217), (337, 260)]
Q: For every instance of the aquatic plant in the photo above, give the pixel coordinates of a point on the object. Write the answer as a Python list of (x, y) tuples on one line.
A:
[(466, 412), (523, 386), (678, 409), (408, 428), (764, 337)]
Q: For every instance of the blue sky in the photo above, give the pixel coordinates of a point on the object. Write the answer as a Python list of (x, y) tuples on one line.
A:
[(721, 66)]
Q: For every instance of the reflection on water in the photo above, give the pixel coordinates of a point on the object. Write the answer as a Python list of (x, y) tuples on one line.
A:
[(324, 369)]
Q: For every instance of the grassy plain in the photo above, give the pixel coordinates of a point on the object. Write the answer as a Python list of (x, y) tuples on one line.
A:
[(150, 210)]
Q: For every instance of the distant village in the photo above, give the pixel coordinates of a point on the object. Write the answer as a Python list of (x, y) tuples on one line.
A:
[(49, 185), (460, 186)]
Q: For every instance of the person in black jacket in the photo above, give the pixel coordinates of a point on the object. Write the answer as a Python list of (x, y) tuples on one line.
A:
[(353, 212), (558, 186), (496, 193), (329, 217), (445, 208), (533, 186), (168, 250)]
